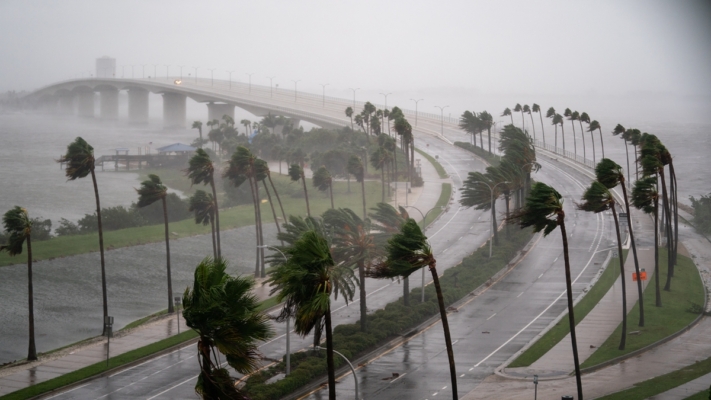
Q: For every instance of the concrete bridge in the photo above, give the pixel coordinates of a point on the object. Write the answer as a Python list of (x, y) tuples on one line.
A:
[(221, 97)]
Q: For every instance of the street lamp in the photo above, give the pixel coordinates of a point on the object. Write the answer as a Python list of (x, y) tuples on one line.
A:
[(295, 82), (288, 328), (324, 93), (108, 324), (441, 109), (270, 85), (535, 385), (355, 378), (416, 101), (354, 90), (143, 73), (155, 71), (250, 80), (181, 71), (386, 99), (167, 72), (424, 226), (212, 76), (196, 68), (491, 189), (176, 301), (230, 72)]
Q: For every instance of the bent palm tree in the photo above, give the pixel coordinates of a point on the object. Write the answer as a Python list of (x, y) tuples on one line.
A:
[(584, 117), (544, 212), (151, 191), (323, 181), (80, 162), (305, 283), (408, 251), (18, 225), (645, 197), (355, 167), (507, 111), (527, 110), (598, 199), (203, 205), (518, 108), (202, 170), (296, 173), (349, 114), (198, 125), (223, 311), (536, 108)]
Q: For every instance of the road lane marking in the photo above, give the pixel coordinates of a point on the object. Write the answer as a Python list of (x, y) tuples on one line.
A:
[(492, 316), (59, 394), (539, 276), (519, 295)]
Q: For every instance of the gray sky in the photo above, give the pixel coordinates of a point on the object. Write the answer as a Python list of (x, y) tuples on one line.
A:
[(509, 49)]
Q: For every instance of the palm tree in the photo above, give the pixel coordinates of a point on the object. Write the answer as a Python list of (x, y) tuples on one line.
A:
[(558, 119), (527, 109), (349, 114), (404, 129), (203, 205), (487, 121), (591, 127), (296, 173), (198, 125), (620, 130), (223, 312), (18, 225), (247, 123), (645, 197), (408, 251), (576, 117), (202, 170), (322, 180), (355, 168), (506, 112), (470, 124), (305, 283), (151, 191), (354, 245), (544, 211), (518, 108), (380, 159), (609, 173), (261, 173), (79, 161), (597, 198), (477, 192), (571, 117), (536, 108)]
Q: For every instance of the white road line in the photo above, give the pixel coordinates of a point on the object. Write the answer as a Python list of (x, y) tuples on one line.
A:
[(398, 377), (519, 295), (539, 276), (492, 316), (173, 387), (59, 394)]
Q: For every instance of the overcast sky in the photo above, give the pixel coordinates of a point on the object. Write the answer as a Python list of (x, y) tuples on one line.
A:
[(463, 48)]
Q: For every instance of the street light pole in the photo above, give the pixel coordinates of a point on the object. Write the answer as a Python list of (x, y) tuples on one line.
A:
[(355, 378), (271, 94), (176, 301), (295, 82), (491, 231), (441, 109), (108, 324), (416, 101), (354, 90), (181, 71), (250, 81), (196, 68), (230, 72), (123, 71), (167, 72), (212, 76), (143, 74), (324, 93), (288, 328), (424, 226), (386, 99)]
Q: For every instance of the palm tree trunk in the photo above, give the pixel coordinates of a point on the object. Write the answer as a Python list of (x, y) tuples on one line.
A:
[(306, 193), (507, 198), (214, 242), (101, 251), (412, 156), (489, 134), (556, 138), (363, 306), (634, 253), (543, 130), (167, 257), (217, 217), (481, 139), (406, 291), (602, 144), (571, 315), (627, 152), (533, 126), (260, 242), (667, 223), (32, 349), (592, 140), (575, 141), (382, 181), (257, 270), (562, 136), (511, 115), (445, 327), (208, 385), (494, 224), (582, 135), (271, 204), (622, 279), (675, 206), (277, 194), (362, 187), (658, 293), (329, 357)]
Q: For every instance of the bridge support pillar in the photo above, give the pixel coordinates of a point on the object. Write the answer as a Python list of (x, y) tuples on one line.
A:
[(85, 104), (66, 105), (109, 104), (216, 111), (137, 106), (174, 110)]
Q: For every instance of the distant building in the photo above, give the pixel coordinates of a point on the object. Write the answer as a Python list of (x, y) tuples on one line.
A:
[(105, 67)]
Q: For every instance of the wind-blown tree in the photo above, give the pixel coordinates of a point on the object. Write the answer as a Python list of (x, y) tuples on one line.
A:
[(305, 283), (323, 181), (404, 129), (571, 117), (518, 108), (380, 159), (361, 123), (349, 114), (591, 127), (261, 173), (527, 110), (388, 221), (575, 116), (558, 120), (507, 112), (620, 130), (408, 251), (487, 122), (241, 169), (224, 313), (18, 226), (202, 205), (645, 197), (202, 170), (584, 117), (296, 173), (609, 173), (597, 198), (152, 190), (80, 162), (198, 125), (354, 246), (634, 136), (544, 212), (536, 108), (247, 124), (355, 168), (477, 193)]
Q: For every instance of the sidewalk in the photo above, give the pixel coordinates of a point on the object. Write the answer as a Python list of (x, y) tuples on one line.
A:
[(92, 351)]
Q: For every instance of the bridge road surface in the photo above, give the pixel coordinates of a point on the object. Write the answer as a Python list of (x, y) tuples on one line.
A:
[(499, 322), (173, 375)]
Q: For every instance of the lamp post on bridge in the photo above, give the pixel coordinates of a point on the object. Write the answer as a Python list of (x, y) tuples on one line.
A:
[(250, 81), (491, 189), (324, 93), (230, 72), (155, 71), (416, 101), (132, 71), (288, 329), (167, 72), (143, 72), (295, 92), (441, 109), (196, 68), (270, 85), (123, 71), (181, 71), (212, 76), (354, 90), (386, 99), (424, 226)]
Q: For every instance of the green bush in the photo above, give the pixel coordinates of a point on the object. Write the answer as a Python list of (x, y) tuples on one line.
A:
[(490, 158)]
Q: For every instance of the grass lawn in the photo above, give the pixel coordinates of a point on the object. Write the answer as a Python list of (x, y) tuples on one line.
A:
[(562, 328), (660, 322)]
